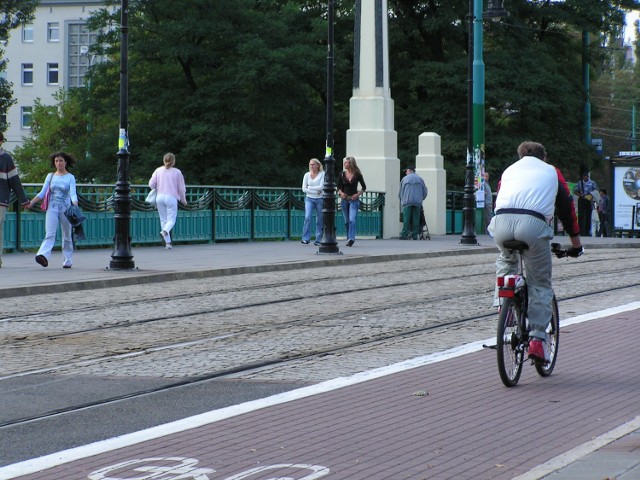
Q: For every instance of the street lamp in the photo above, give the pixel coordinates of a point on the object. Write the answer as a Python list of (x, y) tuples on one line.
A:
[(122, 257), (475, 108), (329, 243)]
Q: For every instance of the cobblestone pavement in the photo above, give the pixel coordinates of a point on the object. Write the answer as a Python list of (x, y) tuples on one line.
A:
[(192, 328)]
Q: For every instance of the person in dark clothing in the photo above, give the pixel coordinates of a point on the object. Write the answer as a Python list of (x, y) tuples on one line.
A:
[(584, 190), (9, 180), (603, 214), (348, 182)]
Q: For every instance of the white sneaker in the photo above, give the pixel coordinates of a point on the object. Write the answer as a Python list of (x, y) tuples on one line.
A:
[(168, 246)]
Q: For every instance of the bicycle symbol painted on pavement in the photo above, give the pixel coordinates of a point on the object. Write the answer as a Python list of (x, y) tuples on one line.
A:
[(179, 468)]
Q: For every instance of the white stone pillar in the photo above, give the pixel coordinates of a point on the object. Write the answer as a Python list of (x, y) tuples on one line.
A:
[(430, 166), (371, 138)]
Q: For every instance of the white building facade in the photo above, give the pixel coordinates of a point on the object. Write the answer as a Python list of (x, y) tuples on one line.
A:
[(44, 56)]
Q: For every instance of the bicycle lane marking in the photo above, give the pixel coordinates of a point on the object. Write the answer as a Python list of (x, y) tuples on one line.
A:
[(67, 456)]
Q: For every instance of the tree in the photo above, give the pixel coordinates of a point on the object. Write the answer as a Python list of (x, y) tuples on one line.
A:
[(59, 127), (237, 88), (13, 13), (533, 77)]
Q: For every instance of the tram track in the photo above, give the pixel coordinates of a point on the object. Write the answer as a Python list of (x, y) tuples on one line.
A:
[(7, 341), (245, 368), (23, 317), (454, 286), (254, 331)]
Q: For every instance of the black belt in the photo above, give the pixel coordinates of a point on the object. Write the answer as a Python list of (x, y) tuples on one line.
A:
[(521, 211)]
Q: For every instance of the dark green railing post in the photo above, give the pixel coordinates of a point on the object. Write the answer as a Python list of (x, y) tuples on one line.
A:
[(214, 223), (16, 206), (382, 219), (289, 204), (253, 214)]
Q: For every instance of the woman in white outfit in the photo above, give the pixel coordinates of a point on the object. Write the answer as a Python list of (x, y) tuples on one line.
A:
[(312, 185), (169, 184), (61, 188)]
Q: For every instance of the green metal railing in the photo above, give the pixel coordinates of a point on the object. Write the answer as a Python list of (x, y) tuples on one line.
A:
[(455, 218), (213, 214)]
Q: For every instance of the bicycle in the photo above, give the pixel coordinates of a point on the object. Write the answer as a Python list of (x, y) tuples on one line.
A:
[(513, 330)]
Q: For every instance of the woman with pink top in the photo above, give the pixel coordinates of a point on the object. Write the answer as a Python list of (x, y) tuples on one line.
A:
[(169, 184)]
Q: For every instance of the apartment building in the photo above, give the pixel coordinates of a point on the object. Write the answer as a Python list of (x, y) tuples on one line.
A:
[(44, 56)]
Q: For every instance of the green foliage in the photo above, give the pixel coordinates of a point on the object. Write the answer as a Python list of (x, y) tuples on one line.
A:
[(60, 127), (13, 13), (237, 88)]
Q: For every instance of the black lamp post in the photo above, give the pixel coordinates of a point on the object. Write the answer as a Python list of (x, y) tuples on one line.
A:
[(495, 11), (329, 243), (122, 258)]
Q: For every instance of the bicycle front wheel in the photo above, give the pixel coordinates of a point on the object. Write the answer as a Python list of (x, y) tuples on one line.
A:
[(553, 339), (510, 343)]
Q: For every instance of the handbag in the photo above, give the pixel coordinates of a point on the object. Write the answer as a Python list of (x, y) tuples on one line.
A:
[(45, 202), (151, 198)]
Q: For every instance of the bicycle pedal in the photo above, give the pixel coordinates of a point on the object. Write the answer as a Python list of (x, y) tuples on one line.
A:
[(538, 362)]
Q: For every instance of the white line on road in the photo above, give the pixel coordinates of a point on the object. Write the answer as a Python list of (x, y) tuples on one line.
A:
[(49, 461)]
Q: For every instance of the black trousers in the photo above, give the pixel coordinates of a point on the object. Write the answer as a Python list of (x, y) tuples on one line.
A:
[(585, 209)]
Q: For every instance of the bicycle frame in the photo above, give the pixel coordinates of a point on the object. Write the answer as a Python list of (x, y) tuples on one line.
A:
[(515, 286), (513, 329)]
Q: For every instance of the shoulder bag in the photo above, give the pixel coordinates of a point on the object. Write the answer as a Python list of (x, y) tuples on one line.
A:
[(151, 198), (45, 202)]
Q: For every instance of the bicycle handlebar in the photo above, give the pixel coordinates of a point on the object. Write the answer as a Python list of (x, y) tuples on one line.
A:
[(560, 252)]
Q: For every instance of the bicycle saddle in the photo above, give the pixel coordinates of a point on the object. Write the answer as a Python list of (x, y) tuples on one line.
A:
[(515, 245)]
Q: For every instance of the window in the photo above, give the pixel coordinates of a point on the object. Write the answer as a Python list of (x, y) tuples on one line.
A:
[(27, 74), (27, 33), (79, 39), (25, 116), (52, 74), (53, 32)]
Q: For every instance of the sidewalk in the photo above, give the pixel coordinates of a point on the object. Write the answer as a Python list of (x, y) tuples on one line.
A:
[(381, 415)]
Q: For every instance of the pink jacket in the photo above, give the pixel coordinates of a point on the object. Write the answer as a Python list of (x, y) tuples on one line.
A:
[(169, 181)]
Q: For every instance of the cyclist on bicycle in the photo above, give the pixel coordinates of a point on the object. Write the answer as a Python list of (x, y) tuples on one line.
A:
[(528, 193)]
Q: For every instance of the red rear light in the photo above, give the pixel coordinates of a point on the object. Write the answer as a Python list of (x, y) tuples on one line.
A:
[(504, 293), (500, 281)]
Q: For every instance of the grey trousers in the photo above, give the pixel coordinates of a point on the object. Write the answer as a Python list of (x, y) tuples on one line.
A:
[(537, 263)]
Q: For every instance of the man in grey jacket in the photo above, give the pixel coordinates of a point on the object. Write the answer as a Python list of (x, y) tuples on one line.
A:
[(413, 191), (9, 180)]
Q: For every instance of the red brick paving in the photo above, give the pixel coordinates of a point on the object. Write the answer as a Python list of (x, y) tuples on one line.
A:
[(468, 426)]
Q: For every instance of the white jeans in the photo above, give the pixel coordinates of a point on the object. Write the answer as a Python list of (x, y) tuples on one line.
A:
[(168, 212), (55, 216), (537, 262)]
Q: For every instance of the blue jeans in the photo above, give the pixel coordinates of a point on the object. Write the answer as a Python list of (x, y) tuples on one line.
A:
[(349, 213), (311, 204)]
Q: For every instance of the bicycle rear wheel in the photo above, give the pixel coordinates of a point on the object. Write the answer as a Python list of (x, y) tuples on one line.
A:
[(510, 343), (553, 339)]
